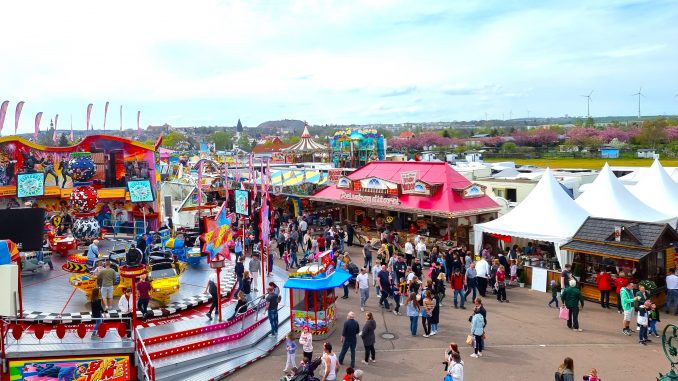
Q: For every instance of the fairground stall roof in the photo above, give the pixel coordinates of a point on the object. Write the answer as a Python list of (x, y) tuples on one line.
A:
[(429, 188)]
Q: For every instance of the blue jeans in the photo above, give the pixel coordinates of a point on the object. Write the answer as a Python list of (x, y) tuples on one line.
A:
[(413, 325), (344, 348), (671, 299), (97, 323), (471, 285), (368, 263), (462, 297), (273, 319), (434, 327), (642, 334), (384, 299), (364, 295), (653, 327)]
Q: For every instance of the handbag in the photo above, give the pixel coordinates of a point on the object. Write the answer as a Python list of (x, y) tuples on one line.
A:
[(564, 313), (448, 377), (469, 339)]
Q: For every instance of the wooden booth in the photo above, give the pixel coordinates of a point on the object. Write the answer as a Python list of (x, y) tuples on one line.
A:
[(639, 250)]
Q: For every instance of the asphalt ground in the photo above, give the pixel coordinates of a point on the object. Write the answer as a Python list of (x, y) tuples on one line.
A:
[(525, 341)]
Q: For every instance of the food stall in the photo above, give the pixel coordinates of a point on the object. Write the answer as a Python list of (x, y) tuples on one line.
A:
[(642, 251), (312, 297)]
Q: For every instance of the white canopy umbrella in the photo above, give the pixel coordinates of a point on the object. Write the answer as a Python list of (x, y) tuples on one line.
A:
[(548, 214), (657, 189), (607, 197)]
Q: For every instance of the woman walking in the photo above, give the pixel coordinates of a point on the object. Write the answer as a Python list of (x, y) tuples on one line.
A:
[(456, 368), (428, 304), (413, 311), (478, 331), (566, 370), (368, 337), (97, 311)]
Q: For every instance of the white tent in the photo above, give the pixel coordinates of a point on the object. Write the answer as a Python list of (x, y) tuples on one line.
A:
[(607, 197), (657, 189), (548, 214)]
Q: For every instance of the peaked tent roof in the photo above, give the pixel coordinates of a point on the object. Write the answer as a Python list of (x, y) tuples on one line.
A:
[(607, 197), (548, 213), (306, 144), (657, 189)]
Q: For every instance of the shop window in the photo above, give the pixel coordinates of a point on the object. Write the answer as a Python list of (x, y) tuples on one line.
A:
[(511, 194)]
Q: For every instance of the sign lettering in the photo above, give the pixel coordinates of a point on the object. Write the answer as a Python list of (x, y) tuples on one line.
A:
[(376, 199)]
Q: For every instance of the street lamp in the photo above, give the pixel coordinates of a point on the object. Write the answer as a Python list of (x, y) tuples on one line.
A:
[(669, 338), (218, 263)]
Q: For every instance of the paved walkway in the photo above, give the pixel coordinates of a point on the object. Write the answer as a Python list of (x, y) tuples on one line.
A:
[(526, 340)]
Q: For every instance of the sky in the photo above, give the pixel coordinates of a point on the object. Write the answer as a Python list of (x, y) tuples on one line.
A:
[(334, 62)]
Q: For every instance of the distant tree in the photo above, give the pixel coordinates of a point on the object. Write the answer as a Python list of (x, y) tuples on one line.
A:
[(446, 134), (222, 140), (653, 132), (589, 122), (244, 143), (63, 140), (291, 140), (387, 134), (175, 140), (508, 147)]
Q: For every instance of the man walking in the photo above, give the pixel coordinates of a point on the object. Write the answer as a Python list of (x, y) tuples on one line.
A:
[(672, 287), (367, 255), (482, 273), (362, 286), (627, 303), (571, 298), (106, 280), (349, 338), (457, 282), (470, 281), (384, 287), (272, 308), (254, 267)]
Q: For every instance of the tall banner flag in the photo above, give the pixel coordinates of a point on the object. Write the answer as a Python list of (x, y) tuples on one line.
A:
[(38, 118), (120, 117), (253, 178), (72, 137), (138, 123), (200, 183), (105, 114), (3, 112), (54, 135), (17, 114), (89, 114), (226, 181)]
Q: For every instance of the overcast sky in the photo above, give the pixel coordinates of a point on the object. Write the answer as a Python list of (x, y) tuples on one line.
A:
[(379, 61)]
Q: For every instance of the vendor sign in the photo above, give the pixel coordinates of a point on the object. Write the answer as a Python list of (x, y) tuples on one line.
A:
[(333, 175), (242, 202), (407, 181)]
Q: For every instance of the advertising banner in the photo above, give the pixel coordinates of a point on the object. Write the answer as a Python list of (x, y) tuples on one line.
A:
[(407, 180), (100, 368), (242, 202), (333, 176)]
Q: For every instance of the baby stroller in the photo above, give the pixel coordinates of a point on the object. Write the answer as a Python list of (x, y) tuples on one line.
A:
[(354, 271), (308, 258), (306, 373)]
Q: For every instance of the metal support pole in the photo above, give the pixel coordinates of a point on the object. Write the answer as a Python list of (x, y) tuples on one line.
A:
[(21, 298), (134, 309), (219, 292)]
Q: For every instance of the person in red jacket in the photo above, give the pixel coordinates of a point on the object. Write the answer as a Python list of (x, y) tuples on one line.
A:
[(604, 281), (620, 283), (457, 283)]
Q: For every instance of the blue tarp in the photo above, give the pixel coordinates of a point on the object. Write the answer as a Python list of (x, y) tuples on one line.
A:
[(337, 279)]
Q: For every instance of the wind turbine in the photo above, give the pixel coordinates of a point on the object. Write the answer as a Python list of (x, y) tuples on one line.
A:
[(639, 94), (588, 104)]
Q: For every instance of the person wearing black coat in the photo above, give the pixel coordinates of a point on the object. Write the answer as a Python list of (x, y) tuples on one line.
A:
[(240, 306), (369, 337)]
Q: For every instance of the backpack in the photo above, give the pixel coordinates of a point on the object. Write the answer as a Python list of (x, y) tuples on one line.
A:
[(558, 376)]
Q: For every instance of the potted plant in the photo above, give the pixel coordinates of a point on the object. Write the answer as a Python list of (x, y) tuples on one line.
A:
[(522, 278)]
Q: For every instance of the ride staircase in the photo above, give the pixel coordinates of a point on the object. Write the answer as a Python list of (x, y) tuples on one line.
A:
[(197, 350)]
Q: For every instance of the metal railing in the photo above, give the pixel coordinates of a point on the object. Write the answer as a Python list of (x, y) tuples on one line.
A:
[(255, 305), (134, 228), (144, 359)]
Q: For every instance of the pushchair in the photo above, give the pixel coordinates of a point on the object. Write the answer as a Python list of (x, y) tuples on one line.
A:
[(306, 373)]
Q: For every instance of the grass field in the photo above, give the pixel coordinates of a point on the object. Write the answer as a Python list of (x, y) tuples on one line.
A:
[(585, 163)]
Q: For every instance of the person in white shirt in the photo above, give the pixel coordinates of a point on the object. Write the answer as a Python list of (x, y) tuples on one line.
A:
[(125, 306), (375, 272), (362, 286), (421, 250), (456, 367), (672, 290), (409, 252), (482, 273)]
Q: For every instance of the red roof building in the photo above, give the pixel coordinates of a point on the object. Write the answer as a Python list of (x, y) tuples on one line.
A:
[(426, 188), (406, 135)]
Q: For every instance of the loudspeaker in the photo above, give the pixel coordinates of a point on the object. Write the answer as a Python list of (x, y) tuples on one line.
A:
[(167, 203), (25, 229), (9, 288)]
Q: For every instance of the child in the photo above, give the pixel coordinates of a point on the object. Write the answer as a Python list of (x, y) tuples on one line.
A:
[(291, 347), (349, 375), (654, 318), (643, 321), (286, 258), (554, 292), (395, 289), (514, 271), (592, 376)]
